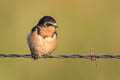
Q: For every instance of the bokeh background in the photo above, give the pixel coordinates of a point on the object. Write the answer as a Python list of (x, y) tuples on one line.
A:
[(85, 26)]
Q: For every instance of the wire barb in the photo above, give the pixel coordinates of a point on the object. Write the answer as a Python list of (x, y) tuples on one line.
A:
[(61, 56)]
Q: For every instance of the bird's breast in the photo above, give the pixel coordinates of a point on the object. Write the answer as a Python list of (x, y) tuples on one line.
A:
[(47, 44), (41, 45)]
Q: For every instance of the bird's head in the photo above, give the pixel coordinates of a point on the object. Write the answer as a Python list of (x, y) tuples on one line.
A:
[(47, 21)]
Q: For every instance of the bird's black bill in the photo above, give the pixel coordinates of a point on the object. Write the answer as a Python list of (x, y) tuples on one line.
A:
[(56, 26)]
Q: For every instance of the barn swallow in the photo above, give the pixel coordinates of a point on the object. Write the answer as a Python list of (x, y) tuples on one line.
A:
[(42, 40)]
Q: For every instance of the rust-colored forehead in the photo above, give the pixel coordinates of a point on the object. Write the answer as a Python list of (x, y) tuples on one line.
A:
[(50, 28)]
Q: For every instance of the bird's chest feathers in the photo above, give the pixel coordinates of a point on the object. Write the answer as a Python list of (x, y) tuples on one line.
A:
[(48, 43), (48, 40), (47, 32)]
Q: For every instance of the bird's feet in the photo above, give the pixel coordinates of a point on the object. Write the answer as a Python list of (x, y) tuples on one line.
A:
[(45, 56), (35, 57)]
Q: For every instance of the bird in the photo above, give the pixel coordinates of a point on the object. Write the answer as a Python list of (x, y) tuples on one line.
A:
[(42, 39)]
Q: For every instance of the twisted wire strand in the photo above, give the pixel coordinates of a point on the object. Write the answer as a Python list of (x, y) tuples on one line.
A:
[(61, 56)]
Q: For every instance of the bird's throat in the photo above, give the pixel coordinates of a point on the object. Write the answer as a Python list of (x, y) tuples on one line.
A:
[(47, 31)]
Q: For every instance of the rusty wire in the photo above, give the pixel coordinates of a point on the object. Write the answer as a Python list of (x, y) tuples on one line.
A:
[(61, 56)]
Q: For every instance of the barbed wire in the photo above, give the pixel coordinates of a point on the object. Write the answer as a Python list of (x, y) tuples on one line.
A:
[(61, 56)]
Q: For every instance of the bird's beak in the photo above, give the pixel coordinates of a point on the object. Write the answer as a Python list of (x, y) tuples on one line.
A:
[(56, 26)]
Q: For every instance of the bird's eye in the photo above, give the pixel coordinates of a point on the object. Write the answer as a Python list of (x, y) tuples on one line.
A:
[(48, 24)]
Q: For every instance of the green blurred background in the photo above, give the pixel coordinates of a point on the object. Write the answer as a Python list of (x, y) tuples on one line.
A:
[(85, 26)]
